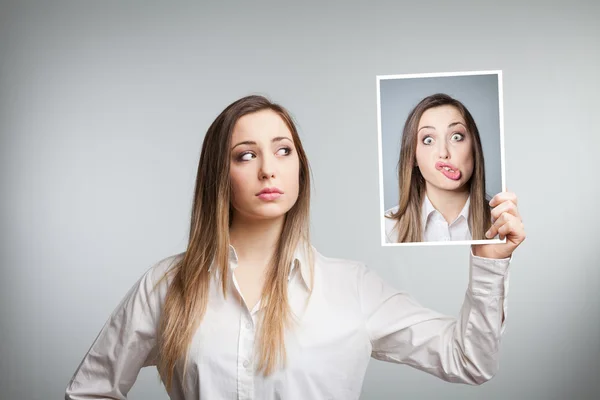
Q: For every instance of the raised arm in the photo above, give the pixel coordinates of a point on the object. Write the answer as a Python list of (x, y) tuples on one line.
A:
[(463, 349)]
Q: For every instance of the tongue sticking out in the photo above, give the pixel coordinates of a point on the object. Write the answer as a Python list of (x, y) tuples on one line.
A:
[(451, 175), (449, 172)]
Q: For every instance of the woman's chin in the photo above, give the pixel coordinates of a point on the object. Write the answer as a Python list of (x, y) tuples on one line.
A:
[(262, 212), (273, 211), (270, 216), (450, 185)]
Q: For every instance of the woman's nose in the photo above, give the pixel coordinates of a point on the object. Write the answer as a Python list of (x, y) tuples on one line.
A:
[(443, 150), (267, 168)]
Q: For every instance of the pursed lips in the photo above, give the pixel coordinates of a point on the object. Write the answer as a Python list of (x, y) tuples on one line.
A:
[(269, 190), (269, 194)]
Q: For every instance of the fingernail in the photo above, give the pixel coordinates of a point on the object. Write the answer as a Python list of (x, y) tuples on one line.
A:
[(488, 234)]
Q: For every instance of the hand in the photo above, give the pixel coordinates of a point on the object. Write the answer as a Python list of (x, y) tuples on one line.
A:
[(506, 222)]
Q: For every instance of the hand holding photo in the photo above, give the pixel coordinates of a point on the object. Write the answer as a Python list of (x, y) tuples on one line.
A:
[(507, 224)]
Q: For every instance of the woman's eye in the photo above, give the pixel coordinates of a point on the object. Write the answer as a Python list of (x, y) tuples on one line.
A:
[(457, 137), (246, 156), (284, 151), (428, 140)]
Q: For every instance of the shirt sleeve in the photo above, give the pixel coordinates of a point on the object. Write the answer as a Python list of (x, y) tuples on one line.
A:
[(463, 349), (126, 343)]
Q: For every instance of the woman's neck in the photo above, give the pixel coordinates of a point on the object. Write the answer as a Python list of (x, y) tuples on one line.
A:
[(448, 202), (255, 240)]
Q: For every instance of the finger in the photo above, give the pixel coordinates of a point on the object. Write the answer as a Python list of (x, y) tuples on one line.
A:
[(504, 230), (514, 230), (503, 196), (506, 206), (503, 219)]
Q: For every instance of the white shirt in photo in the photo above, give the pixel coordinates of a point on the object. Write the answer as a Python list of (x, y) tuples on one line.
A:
[(433, 224), (351, 317)]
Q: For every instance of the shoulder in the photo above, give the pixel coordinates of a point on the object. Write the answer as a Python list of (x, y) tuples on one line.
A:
[(338, 269), (163, 267), (333, 262), (391, 234), (155, 281), (143, 301), (353, 279), (391, 211)]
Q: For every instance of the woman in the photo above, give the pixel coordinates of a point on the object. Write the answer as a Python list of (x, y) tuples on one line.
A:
[(441, 176), (252, 311)]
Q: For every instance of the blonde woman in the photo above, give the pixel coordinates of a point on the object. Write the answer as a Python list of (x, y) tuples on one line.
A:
[(441, 176), (252, 311)]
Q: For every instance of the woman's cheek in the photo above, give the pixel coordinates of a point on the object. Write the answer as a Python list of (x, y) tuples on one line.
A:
[(237, 184)]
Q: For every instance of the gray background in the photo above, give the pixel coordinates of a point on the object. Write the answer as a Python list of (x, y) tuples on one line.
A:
[(103, 107), (479, 93)]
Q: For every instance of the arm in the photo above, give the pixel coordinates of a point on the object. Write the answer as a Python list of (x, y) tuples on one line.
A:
[(457, 350), (463, 349), (126, 343)]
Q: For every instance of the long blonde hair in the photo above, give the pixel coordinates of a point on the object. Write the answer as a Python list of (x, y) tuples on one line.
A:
[(187, 296), (411, 183)]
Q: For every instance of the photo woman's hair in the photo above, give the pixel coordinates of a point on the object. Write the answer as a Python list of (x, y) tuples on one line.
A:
[(411, 183), (208, 248)]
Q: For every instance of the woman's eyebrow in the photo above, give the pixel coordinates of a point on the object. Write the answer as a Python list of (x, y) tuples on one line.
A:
[(280, 138), (426, 126), (253, 143), (449, 126)]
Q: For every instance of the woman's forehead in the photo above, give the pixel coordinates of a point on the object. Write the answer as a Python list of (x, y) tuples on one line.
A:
[(441, 115), (260, 126)]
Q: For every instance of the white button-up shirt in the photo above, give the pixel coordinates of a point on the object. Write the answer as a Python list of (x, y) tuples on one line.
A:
[(433, 224), (351, 316)]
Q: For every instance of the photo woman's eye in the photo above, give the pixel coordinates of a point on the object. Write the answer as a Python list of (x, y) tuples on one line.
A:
[(427, 140), (457, 137)]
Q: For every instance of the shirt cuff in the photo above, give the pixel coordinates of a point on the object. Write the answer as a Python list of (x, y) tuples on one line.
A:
[(488, 276)]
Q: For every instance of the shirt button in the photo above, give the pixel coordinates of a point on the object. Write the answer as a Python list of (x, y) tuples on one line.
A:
[(246, 364), (248, 325)]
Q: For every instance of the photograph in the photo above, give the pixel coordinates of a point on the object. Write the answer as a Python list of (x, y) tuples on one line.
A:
[(441, 156)]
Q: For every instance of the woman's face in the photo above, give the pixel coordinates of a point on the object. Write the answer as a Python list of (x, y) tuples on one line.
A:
[(264, 166), (444, 148)]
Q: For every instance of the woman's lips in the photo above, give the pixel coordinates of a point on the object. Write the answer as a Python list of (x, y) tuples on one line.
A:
[(269, 193), (449, 170), (269, 196)]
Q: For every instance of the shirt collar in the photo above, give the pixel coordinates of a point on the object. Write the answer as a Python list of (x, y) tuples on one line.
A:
[(465, 210), (300, 259), (428, 208)]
